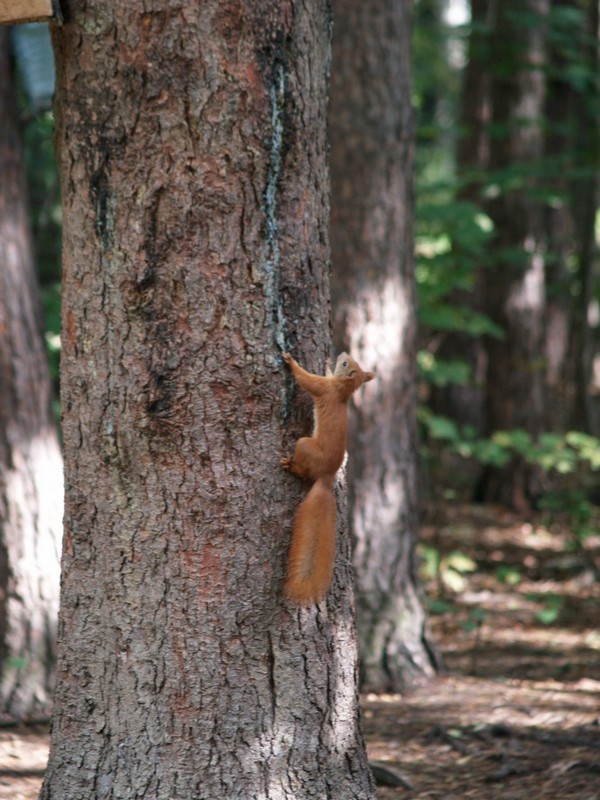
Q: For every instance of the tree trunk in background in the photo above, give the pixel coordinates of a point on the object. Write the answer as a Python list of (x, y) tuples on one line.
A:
[(371, 126), (473, 149), (515, 283), (464, 403), (584, 205), (558, 223), (572, 142), (31, 486), (192, 150)]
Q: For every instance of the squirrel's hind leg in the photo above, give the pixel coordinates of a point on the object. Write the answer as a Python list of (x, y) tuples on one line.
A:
[(307, 461)]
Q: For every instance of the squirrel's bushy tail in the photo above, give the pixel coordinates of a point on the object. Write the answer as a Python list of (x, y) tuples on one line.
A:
[(312, 550)]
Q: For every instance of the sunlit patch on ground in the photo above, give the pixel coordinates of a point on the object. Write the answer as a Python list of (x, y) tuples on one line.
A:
[(23, 756)]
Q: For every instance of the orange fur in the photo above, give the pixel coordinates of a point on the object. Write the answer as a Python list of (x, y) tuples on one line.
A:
[(318, 458), (310, 560)]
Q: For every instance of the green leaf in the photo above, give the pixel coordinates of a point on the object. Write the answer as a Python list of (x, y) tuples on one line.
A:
[(460, 562), (429, 560), (443, 316), (489, 452), (552, 607), (441, 427), (442, 373), (508, 575), (517, 439), (437, 606)]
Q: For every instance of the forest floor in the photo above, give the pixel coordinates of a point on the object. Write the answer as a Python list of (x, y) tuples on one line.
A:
[(515, 612)]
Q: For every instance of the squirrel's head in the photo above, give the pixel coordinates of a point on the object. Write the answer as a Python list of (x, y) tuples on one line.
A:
[(347, 367)]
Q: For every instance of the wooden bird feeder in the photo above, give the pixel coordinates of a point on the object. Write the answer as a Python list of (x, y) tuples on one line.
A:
[(16, 11)]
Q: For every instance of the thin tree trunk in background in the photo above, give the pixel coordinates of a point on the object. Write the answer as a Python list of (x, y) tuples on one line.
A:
[(572, 140), (473, 150), (559, 225), (192, 150), (584, 205), (31, 485), (515, 283), (465, 403), (371, 124)]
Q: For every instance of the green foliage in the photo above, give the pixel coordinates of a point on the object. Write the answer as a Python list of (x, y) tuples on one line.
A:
[(455, 237), (453, 569), (474, 621), (437, 605), (510, 576), (442, 373), (14, 664), (450, 570), (463, 440), (46, 218), (451, 239), (18, 662), (578, 512), (436, 78), (569, 39), (430, 559), (44, 193), (552, 606), (554, 452), (443, 316), (563, 456)]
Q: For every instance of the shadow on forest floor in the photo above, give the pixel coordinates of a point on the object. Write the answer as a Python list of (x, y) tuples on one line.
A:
[(516, 615), (518, 713)]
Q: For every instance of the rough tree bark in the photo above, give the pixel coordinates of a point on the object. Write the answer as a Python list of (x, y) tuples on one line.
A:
[(31, 486), (372, 143), (192, 151), (515, 284)]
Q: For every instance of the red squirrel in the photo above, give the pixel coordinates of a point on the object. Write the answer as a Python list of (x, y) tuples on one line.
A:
[(317, 458)]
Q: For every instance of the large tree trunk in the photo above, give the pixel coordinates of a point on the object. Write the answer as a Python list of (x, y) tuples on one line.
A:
[(372, 139), (31, 486), (193, 160), (515, 283)]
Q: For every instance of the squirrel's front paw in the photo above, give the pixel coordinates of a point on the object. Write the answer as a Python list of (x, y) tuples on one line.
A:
[(286, 462), (287, 358)]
